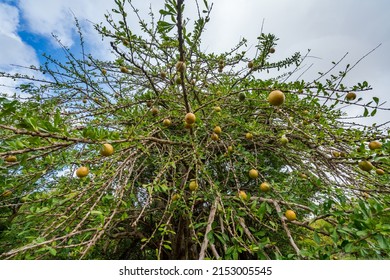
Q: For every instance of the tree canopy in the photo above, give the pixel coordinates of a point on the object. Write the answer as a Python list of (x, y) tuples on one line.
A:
[(171, 152)]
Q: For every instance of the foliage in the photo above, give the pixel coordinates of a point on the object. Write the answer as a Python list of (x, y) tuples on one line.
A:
[(136, 203)]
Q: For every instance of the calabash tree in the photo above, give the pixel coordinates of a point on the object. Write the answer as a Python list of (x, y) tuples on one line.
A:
[(172, 152)]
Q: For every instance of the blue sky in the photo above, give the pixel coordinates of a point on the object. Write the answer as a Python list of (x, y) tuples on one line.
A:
[(328, 28)]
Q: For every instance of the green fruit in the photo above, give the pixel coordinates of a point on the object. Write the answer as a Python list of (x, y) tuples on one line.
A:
[(284, 140), (193, 186), (365, 165)]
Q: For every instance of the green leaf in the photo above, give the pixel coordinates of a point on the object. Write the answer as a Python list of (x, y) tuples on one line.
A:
[(317, 239), (52, 251), (349, 247), (365, 114), (210, 237), (383, 243)]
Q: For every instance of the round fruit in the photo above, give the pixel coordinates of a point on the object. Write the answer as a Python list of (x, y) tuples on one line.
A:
[(106, 150), (290, 215), (180, 66), (276, 98), (190, 118), (163, 75), (249, 136), (230, 149), (167, 122), (272, 50), (242, 195), (217, 109), (11, 159), (365, 165), (265, 187), (373, 145), (336, 153), (193, 185), (215, 137), (124, 69), (178, 80), (253, 173), (82, 171), (242, 96), (350, 96), (217, 130), (380, 171), (175, 197), (154, 111), (250, 64), (284, 140)]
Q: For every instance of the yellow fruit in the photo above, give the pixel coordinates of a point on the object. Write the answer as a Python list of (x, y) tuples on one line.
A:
[(167, 122), (250, 64), (365, 165), (82, 171), (230, 149), (303, 175), (180, 66), (175, 197), (336, 153), (214, 136), (253, 173), (290, 215), (193, 185), (106, 150), (217, 109), (249, 136), (6, 193), (190, 118), (217, 130), (276, 98), (265, 187), (373, 145), (11, 159), (242, 195), (104, 71), (380, 171), (283, 140), (154, 111), (124, 69), (350, 96)]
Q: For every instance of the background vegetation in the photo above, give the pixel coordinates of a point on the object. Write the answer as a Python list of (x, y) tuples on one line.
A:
[(170, 189)]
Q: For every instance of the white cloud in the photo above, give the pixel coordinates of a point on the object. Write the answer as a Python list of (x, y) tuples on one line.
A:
[(13, 50)]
